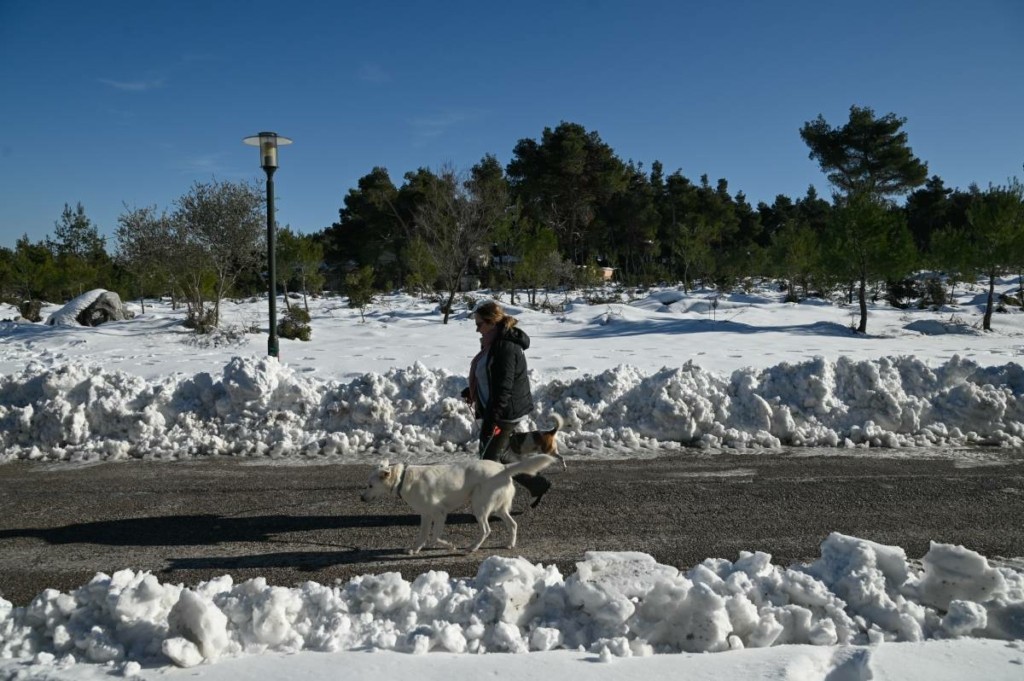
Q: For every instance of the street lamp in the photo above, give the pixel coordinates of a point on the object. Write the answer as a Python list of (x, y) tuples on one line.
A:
[(268, 143)]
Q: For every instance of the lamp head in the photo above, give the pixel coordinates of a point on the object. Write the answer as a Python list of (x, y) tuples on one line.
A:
[(268, 143)]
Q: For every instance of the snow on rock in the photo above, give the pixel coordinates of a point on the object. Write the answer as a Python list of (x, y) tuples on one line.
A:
[(107, 306), (260, 407), (615, 604)]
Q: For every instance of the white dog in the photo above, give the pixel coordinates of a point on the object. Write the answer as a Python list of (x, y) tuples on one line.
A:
[(436, 490)]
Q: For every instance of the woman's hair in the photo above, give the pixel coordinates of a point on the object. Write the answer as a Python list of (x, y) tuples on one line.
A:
[(492, 313)]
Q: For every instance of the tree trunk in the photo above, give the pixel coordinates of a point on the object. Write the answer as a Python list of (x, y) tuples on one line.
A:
[(448, 305), (987, 324), (1020, 289), (863, 326)]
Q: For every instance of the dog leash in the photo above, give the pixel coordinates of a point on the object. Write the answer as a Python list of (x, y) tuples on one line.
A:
[(494, 433)]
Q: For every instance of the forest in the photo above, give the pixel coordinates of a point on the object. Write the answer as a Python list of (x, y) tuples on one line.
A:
[(565, 211)]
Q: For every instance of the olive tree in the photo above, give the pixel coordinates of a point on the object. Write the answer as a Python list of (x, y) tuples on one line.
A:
[(220, 227)]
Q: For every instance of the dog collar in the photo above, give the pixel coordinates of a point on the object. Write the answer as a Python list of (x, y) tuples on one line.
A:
[(401, 481)]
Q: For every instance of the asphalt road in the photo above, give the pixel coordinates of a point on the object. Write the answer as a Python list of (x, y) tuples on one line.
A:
[(188, 521)]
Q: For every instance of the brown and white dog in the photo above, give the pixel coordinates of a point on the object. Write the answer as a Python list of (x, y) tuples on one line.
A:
[(523, 444)]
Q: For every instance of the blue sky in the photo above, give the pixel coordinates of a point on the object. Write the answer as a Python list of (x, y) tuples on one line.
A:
[(112, 103)]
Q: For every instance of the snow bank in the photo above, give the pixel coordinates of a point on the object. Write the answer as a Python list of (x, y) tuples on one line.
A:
[(616, 604), (259, 407)]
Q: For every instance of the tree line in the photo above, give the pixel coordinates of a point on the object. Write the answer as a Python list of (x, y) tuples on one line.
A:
[(563, 207)]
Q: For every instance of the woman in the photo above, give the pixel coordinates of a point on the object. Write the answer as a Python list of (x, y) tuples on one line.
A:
[(499, 388)]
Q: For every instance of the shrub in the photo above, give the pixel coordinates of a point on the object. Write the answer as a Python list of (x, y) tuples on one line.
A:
[(897, 293), (203, 321), (295, 325), (359, 287), (31, 310), (934, 293)]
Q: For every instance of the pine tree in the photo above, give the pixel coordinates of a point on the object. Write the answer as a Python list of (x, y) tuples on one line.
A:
[(869, 161), (995, 242)]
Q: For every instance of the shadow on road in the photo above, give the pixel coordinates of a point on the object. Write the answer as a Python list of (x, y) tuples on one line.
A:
[(206, 529)]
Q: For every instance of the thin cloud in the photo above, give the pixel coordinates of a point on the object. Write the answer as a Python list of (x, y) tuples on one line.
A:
[(428, 128), (373, 73), (133, 85), (210, 164)]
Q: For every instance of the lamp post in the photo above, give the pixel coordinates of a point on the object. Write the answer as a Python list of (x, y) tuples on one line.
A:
[(268, 143)]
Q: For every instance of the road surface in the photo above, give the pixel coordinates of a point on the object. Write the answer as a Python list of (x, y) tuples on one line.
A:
[(189, 521)]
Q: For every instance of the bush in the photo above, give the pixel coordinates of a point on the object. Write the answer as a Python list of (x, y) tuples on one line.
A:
[(202, 321), (897, 293), (31, 310), (359, 287), (934, 293), (231, 336), (295, 325)]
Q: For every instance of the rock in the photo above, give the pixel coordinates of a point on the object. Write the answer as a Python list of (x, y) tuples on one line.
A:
[(91, 309)]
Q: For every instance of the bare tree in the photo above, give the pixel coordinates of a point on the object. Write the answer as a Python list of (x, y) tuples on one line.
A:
[(454, 226)]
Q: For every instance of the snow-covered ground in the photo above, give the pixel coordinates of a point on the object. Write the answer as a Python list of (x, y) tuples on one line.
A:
[(632, 378), (669, 368)]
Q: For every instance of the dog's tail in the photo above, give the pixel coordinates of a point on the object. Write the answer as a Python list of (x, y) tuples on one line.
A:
[(552, 433), (529, 466)]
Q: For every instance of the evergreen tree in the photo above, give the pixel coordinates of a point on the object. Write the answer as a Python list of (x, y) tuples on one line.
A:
[(742, 252), (868, 161), (542, 266), (34, 273), (7, 275), (371, 229), (309, 267), (563, 181), (632, 220), (928, 210), (795, 254), (287, 260), (359, 288), (79, 253), (75, 235), (678, 230), (712, 223), (867, 155), (995, 244), (775, 217), (867, 240)]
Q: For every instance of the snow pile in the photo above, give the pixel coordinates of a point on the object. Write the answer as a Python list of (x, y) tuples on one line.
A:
[(616, 604), (259, 407)]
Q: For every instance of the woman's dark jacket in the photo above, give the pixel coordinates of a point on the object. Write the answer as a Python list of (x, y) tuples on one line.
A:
[(509, 386)]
